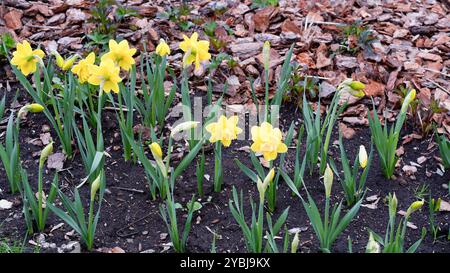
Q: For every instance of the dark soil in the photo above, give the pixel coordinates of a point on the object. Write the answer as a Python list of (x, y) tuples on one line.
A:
[(131, 220)]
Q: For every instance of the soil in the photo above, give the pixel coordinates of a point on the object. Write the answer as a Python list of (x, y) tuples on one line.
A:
[(131, 220)]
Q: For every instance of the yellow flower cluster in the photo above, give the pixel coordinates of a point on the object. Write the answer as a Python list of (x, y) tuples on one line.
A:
[(119, 56)]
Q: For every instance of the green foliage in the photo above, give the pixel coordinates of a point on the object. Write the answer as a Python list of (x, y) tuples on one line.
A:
[(353, 187), (253, 233), (444, 149), (7, 42), (331, 225), (178, 15), (10, 154), (394, 239), (358, 37), (74, 215)]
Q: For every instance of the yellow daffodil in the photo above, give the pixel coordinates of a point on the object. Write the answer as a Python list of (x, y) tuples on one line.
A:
[(268, 141), (362, 156), (25, 58), (121, 54), (409, 98), (328, 181), (107, 75), (224, 130), (163, 48), (95, 186), (64, 64), (82, 69), (194, 51)]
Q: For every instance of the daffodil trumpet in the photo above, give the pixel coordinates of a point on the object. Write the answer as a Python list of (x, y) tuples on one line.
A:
[(354, 186)]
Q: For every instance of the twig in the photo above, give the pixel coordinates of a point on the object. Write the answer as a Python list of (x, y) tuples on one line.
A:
[(436, 71), (128, 189), (438, 85)]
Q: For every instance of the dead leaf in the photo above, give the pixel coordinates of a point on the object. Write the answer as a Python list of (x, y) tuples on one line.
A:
[(56, 161), (5, 204), (347, 132), (445, 206)]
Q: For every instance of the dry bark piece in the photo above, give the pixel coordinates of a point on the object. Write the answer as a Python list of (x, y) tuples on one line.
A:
[(13, 19), (262, 18)]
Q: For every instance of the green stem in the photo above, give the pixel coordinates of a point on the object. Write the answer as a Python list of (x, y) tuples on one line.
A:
[(218, 167)]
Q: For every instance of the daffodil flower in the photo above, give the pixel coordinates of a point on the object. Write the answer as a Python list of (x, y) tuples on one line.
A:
[(25, 58), (268, 141), (355, 88), (163, 48), (121, 54), (194, 51), (224, 130), (82, 69), (105, 75)]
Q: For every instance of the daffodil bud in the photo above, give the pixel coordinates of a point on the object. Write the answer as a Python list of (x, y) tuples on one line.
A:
[(269, 177), (294, 244), (184, 126), (357, 85), (46, 152), (436, 204), (414, 207), (95, 186), (266, 55), (163, 48), (362, 156), (328, 181), (392, 205), (33, 108), (158, 155), (156, 150), (261, 189), (59, 59), (372, 245), (408, 99), (69, 63)]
